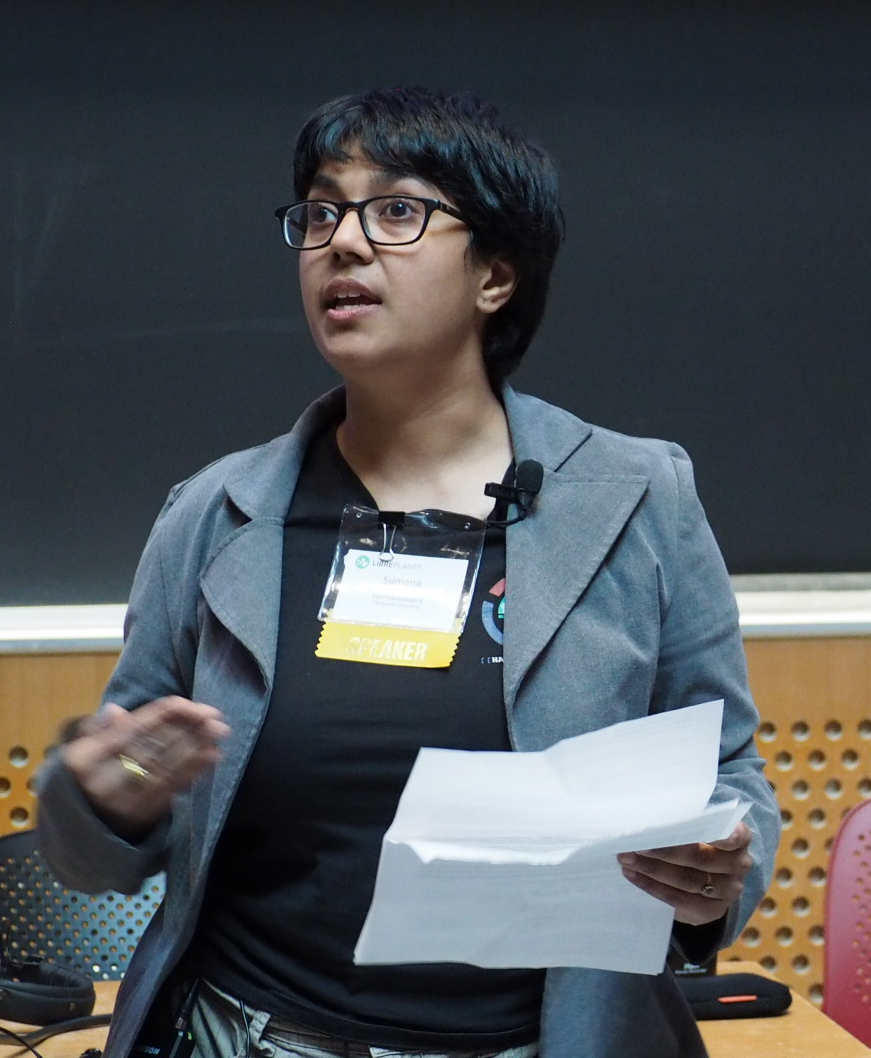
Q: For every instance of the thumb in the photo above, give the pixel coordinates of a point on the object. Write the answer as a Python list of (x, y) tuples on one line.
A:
[(738, 839), (112, 727), (93, 724)]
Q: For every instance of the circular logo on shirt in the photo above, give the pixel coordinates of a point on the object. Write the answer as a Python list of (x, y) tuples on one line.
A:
[(493, 611)]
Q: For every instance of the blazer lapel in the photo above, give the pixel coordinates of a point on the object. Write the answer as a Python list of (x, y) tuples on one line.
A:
[(552, 556), (242, 587), (554, 553), (242, 583)]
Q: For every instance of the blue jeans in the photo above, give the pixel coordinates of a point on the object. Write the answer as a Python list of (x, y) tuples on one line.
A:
[(225, 1028)]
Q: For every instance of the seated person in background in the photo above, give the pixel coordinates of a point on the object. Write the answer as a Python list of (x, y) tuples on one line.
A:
[(262, 774)]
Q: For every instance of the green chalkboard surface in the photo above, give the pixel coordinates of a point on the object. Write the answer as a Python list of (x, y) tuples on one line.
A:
[(713, 289)]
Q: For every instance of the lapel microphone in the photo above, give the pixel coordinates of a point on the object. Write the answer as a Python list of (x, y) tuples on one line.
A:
[(528, 477)]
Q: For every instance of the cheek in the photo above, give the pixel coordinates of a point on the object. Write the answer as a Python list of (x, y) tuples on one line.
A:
[(308, 288), (456, 285)]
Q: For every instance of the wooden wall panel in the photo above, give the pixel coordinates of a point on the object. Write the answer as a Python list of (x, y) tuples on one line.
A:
[(814, 696)]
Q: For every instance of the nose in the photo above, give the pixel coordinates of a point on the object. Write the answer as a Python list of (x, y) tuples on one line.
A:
[(349, 236)]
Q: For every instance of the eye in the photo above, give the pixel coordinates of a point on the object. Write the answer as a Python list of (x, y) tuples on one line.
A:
[(320, 215), (399, 210)]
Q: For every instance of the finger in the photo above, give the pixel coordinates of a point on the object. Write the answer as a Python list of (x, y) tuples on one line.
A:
[(105, 733), (184, 744), (697, 856), (691, 908), (681, 877), (106, 717), (168, 718), (724, 879), (152, 779), (156, 723), (175, 710), (703, 856), (169, 740), (173, 746)]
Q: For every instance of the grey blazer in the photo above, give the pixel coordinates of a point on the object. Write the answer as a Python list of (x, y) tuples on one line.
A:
[(619, 605)]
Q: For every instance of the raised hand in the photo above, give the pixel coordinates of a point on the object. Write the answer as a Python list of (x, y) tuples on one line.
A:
[(131, 764)]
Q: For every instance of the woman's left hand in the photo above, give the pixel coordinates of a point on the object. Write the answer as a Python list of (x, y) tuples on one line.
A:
[(701, 882)]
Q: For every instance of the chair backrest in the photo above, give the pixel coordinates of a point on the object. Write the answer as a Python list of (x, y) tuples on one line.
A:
[(42, 919), (847, 954)]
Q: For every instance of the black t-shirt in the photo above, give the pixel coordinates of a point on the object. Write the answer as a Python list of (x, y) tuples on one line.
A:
[(294, 871)]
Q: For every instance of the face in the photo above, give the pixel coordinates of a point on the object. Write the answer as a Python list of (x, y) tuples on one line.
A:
[(421, 305)]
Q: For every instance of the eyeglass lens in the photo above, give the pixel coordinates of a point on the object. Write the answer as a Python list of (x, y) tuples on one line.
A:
[(394, 219)]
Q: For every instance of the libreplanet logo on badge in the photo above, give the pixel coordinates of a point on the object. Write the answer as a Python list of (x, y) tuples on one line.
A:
[(362, 562)]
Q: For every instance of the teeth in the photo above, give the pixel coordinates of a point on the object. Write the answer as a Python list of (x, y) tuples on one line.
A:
[(350, 299)]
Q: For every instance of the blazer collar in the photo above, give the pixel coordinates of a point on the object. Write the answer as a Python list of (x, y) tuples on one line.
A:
[(264, 488), (542, 431)]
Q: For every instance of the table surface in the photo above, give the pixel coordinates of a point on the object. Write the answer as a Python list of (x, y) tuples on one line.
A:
[(801, 1032)]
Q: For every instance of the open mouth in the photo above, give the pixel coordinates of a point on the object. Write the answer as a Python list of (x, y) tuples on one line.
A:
[(348, 301)]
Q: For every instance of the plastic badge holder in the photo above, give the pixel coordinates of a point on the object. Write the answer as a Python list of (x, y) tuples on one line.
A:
[(400, 586)]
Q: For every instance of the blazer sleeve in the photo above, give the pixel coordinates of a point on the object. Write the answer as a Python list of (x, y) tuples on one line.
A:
[(702, 658), (78, 847)]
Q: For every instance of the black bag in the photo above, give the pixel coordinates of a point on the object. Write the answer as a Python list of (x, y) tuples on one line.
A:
[(734, 996)]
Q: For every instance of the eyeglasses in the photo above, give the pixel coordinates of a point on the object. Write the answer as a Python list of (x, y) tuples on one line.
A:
[(388, 220)]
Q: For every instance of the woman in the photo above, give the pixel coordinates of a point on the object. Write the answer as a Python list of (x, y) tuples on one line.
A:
[(427, 231)]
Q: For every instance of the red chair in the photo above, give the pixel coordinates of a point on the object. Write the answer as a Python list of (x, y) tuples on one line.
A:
[(847, 969)]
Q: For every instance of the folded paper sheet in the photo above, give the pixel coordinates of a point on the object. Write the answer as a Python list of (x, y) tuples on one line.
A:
[(509, 859)]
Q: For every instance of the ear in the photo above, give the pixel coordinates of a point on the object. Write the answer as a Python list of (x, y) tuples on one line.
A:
[(498, 282)]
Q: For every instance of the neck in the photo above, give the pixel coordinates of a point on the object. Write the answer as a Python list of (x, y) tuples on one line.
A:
[(431, 426), (434, 446)]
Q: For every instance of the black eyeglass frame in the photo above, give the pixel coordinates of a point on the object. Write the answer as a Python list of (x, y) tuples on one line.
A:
[(430, 205)]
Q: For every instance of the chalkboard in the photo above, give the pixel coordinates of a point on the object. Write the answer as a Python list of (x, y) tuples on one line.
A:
[(713, 288)]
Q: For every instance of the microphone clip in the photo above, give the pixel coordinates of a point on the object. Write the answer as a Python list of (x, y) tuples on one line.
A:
[(497, 491), (527, 484)]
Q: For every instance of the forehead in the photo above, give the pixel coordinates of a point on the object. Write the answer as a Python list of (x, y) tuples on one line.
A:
[(358, 171)]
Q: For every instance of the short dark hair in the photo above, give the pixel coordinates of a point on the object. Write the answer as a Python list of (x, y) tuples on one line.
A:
[(504, 184)]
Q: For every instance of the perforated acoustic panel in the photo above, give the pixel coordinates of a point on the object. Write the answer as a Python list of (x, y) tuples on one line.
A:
[(16, 786), (93, 934), (815, 700)]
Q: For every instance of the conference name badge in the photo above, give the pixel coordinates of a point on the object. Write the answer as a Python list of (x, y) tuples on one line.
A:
[(400, 587)]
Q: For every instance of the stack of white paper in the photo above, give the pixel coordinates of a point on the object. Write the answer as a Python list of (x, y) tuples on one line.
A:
[(509, 859)]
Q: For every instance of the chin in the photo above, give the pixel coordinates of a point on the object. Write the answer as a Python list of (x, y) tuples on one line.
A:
[(347, 357)]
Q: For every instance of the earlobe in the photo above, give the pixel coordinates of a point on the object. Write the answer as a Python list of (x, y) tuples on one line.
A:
[(498, 284)]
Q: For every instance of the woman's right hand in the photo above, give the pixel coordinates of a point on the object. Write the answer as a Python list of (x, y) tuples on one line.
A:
[(131, 763)]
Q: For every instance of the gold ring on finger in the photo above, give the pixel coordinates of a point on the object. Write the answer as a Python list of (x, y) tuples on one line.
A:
[(708, 888), (134, 769)]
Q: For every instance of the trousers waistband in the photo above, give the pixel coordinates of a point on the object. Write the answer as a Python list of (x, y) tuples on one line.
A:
[(298, 1040)]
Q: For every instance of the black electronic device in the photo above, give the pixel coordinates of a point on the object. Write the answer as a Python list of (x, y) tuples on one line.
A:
[(175, 1042)]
